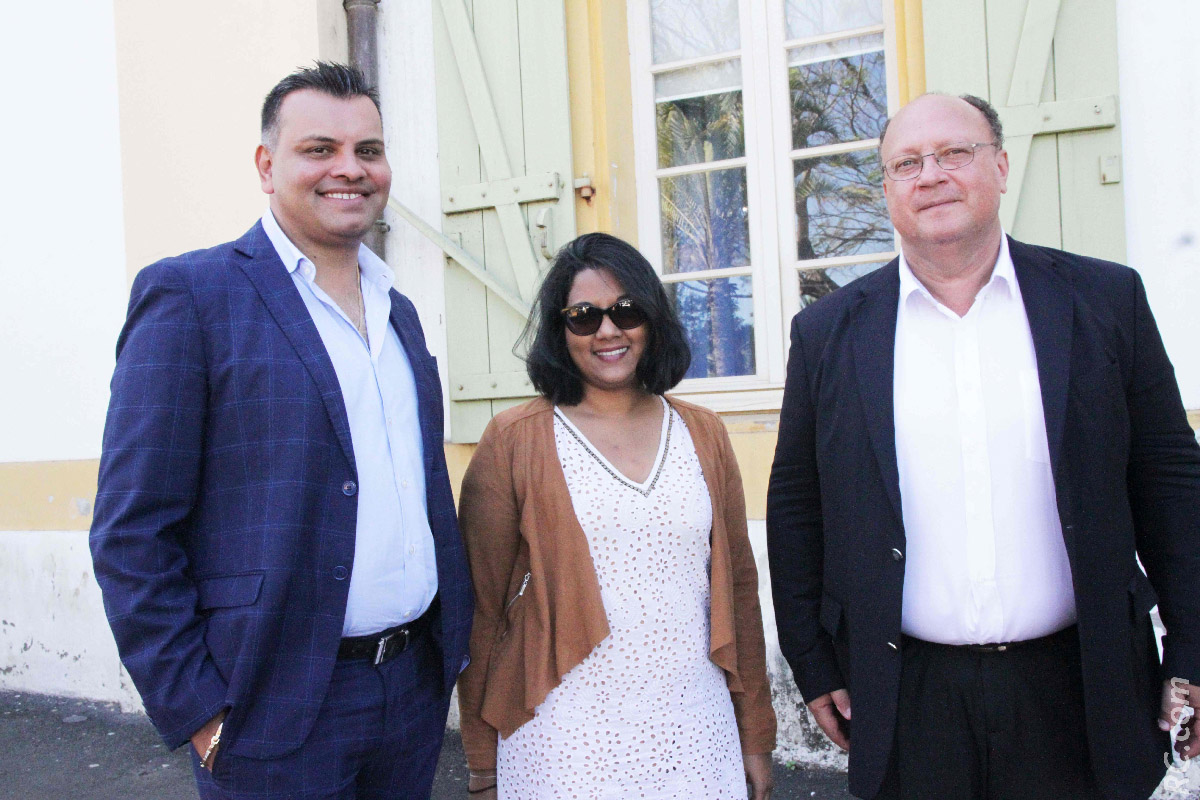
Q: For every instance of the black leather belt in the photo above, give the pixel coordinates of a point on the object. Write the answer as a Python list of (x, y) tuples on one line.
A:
[(386, 645)]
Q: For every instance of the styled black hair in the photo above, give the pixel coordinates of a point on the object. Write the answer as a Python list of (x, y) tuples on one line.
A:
[(335, 80), (551, 370), (982, 106)]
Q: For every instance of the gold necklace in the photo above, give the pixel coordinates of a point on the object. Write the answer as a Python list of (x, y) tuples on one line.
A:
[(362, 310)]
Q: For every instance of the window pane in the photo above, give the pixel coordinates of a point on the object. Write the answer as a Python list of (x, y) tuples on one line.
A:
[(699, 114), (718, 317), (816, 283), (693, 28), (721, 76), (839, 100), (840, 209), (705, 222), (807, 18)]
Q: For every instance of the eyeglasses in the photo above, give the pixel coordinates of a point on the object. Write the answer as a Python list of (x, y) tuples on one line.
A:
[(953, 156), (583, 319)]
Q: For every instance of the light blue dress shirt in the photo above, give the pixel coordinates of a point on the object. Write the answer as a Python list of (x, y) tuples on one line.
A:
[(394, 577)]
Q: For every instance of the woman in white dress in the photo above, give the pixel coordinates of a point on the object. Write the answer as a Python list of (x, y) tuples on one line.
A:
[(617, 649)]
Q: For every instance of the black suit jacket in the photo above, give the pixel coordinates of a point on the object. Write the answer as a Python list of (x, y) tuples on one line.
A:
[(1126, 472)]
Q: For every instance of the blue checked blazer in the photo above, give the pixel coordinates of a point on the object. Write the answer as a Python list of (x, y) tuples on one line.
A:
[(224, 524)]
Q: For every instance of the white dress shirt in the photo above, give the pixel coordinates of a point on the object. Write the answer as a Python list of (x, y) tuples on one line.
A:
[(394, 575), (985, 561)]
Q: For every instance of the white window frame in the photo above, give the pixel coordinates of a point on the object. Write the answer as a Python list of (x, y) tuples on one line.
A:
[(768, 162)]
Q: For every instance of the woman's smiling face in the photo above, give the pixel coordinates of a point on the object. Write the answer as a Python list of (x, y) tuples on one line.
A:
[(607, 359)]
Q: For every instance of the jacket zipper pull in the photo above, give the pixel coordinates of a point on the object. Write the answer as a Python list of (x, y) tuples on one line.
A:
[(516, 597)]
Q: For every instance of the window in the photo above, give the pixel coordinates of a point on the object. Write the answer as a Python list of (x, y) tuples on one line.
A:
[(759, 182)]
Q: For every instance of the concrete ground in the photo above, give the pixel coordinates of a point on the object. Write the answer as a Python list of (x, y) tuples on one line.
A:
[(53, 748)]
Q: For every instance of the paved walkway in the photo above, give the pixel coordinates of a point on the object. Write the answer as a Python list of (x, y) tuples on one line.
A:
[(53, 748)]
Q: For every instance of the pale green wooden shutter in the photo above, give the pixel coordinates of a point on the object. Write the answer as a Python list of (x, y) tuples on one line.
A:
[(504, 145), (1050, 69)]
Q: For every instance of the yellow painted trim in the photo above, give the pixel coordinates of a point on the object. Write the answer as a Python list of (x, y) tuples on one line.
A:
[(47, 495), (602, 116), (910, 49), (458, 456)]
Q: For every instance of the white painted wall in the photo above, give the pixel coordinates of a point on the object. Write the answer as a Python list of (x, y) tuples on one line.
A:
[(54, 638), (1159, 65), (410, 125), (62, 266)]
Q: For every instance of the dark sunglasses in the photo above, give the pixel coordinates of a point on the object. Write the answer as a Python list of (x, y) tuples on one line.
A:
[(584, 319)]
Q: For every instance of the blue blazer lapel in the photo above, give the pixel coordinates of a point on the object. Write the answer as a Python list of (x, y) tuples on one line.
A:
[(269, 276), (429, 391), (1049, 301), (874, 346)]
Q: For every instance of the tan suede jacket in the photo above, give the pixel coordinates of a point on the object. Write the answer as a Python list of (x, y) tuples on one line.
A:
[(538, 610)]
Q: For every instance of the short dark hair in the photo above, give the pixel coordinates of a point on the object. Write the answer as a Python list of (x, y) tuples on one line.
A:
[(335, 80), (551, 370), (984, 107)]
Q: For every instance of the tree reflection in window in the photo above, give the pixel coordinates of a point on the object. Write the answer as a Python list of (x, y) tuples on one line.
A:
[(693, 130), (718, 318), (838, 95), (842, 99), (840, 210), (705, 221), (816, 283)]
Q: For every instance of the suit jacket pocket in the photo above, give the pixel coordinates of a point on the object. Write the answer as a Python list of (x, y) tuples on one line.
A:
[(228, 591)]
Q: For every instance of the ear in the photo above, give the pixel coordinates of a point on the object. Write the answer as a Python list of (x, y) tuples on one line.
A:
[(264, 162), (1002, 166)]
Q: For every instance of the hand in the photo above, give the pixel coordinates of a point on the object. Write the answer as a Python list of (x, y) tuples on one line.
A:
[(758, 775), (832, 713), (202, 738), (1178, 697)]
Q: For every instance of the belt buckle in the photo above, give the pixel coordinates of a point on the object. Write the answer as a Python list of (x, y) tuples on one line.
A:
[(382, 648)]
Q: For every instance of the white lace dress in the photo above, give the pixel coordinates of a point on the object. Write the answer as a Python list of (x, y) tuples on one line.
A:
[(646, 714)]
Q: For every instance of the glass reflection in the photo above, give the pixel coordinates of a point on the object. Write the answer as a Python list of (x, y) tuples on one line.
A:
[(718, 318), (807, 18), (698, 129), (840, 210), (816, 283), (705, 221), (720, 76), (838, 100), (683, 29)]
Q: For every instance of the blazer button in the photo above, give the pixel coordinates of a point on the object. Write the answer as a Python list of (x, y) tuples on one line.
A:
[(349, 488), (897, 555), (340, 573)]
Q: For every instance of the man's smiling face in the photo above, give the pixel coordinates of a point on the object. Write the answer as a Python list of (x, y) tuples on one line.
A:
[(326, 170), (943, 207)]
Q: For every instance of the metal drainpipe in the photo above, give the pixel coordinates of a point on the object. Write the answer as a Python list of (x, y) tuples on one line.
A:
[(361, 16)]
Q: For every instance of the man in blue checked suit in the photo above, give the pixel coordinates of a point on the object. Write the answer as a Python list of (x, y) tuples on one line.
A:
[(274, 532)]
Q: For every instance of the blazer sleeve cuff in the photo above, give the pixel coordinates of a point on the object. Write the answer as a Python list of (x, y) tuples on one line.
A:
[(1180, 659), (176, 721), (817, 673)]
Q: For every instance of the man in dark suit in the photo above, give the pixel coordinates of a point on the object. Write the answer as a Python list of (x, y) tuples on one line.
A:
[(274, 532), (978, 442)]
